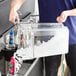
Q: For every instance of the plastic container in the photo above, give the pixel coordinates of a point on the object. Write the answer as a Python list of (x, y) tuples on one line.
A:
[(43, 39)]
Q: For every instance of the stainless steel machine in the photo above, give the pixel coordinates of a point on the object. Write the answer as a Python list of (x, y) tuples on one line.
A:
[(39, 40)]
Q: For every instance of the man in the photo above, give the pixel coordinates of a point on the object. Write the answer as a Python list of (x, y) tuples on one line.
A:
[(55, 11)]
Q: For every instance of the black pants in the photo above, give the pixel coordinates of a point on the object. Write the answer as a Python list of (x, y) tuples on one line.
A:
[(52, 62), (71, 59), (51, 65)]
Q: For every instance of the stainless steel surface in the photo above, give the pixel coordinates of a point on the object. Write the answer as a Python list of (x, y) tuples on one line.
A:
[(25, 10)]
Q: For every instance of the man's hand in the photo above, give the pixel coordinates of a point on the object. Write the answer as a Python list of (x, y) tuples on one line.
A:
[(15, 5), (13, 17), (63, 16)]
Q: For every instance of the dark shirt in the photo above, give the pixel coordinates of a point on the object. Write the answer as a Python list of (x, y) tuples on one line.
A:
[(49, 10)]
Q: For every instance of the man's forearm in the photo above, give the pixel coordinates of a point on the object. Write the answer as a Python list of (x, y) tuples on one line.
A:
[(16, 4), (72, 12)]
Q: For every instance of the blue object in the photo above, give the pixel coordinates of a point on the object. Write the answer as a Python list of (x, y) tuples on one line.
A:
[(11, 41), (49, 10)]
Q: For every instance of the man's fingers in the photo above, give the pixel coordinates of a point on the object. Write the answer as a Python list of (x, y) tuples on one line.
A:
[(14, 19), (60, 19)]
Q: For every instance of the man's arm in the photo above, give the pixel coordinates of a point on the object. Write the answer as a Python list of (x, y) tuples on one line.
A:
[(65, 14), (72, 12), (15, 5)]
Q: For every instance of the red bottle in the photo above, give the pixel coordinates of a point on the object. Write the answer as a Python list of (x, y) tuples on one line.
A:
[(12, 66)]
